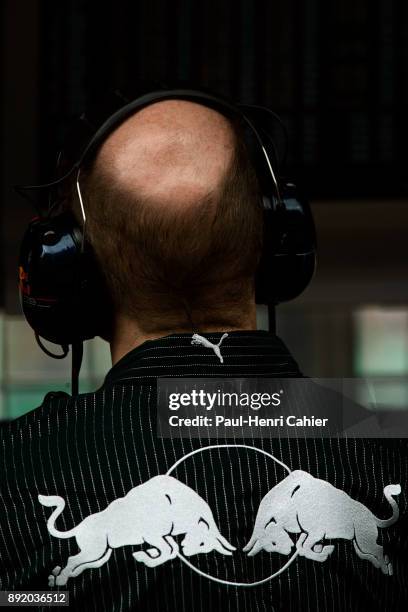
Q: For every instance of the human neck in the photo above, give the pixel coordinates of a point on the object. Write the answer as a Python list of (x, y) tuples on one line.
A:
[(128, 334)]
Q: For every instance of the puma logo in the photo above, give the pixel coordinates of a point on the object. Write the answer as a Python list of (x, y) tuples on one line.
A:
[(197, 339)]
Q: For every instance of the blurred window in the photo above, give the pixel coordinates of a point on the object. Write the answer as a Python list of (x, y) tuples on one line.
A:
[(381, 355), (381, 342), (27, 374)]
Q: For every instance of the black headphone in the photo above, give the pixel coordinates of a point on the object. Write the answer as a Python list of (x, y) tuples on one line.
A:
[(61, 287)]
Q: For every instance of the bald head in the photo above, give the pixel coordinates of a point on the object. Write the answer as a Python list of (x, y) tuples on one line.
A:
[(173, 215), (171, 153)]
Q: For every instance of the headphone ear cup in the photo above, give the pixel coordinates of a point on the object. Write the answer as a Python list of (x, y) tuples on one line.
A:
[(61, 289), (288, 259)]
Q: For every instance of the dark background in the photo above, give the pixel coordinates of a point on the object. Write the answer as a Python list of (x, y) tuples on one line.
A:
[(337, 73)]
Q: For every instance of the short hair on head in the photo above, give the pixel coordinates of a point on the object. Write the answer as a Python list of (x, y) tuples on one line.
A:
[(157, 261)]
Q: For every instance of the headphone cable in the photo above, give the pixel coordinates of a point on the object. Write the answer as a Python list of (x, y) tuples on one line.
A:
[(77, 354)]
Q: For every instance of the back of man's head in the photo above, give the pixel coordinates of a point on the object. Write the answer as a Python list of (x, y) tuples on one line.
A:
[(174, 217)]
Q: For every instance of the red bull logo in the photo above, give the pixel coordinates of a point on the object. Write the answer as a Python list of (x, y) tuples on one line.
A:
[(313, 508), (155, 512)]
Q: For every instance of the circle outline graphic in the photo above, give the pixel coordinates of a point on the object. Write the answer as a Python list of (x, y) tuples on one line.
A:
[(214, 578)]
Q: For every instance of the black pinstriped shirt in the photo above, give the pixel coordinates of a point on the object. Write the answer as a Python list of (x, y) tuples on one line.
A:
[(95, 448)]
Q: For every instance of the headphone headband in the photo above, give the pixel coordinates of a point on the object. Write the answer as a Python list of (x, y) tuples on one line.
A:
[(146, 100), (225, 107), (215, 102)]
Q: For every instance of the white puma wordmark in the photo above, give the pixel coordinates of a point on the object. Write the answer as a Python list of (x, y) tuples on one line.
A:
[(197, 339)]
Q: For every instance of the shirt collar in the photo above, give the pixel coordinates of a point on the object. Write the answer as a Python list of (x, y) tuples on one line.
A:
[(245, 354)]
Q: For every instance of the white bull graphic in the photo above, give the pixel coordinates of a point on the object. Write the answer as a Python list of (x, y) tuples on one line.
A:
[(318, 511), (153, 513)]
